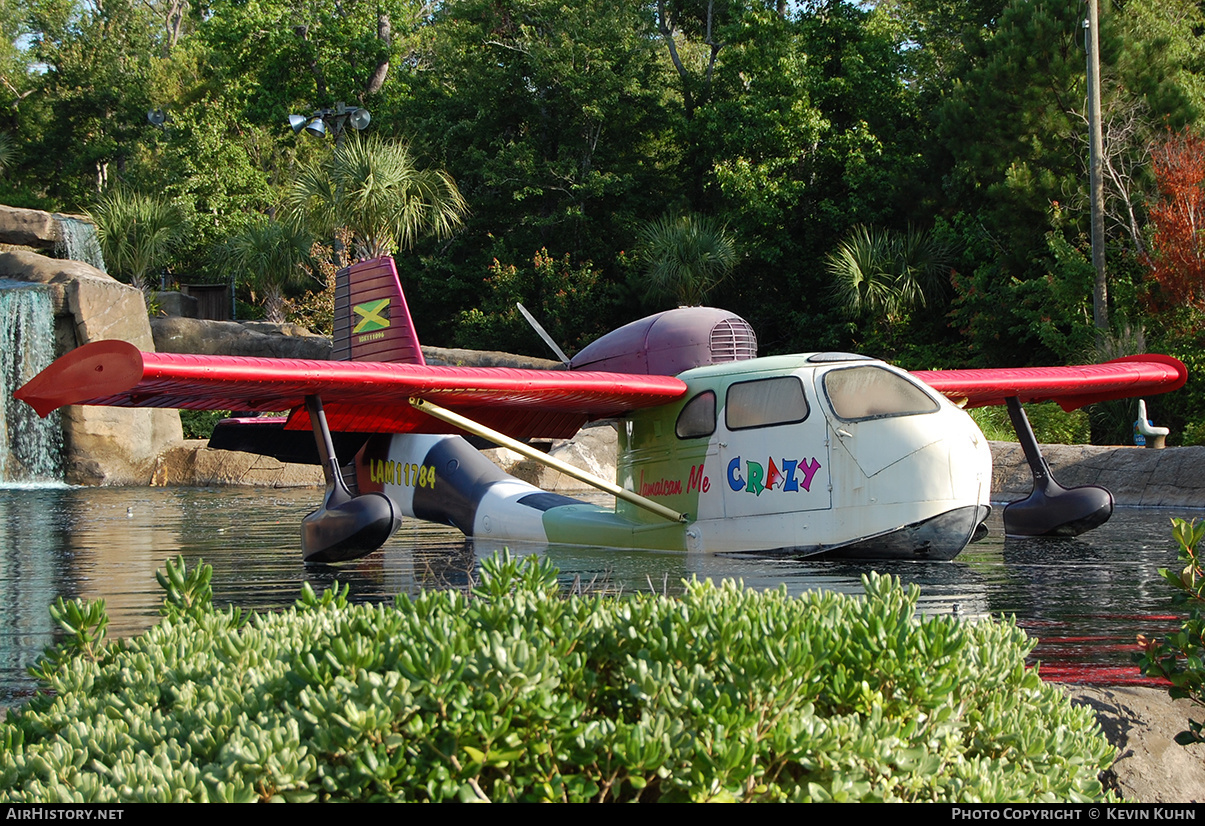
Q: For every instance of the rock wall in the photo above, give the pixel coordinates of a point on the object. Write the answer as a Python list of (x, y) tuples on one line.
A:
[(28, 228), (593, 449), (238, 338), (102, 446), (456, 357), (193, 464), (176, 334), (1136, 476)]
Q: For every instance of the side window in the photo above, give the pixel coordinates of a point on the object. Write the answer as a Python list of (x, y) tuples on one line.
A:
[(697, 418), (765, 402), (858, 393)]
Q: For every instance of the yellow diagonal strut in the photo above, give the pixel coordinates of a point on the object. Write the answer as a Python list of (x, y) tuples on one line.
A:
[(470, 426)]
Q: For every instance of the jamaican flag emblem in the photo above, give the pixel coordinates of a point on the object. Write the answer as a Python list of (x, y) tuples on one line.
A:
[(371, 315)]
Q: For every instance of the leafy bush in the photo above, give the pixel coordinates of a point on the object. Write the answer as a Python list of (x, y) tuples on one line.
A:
[(137, 233), (1180, 658), (512, 692), (1194, 434), (7, 150), (199, 424), (566, 298), (1051, 424)]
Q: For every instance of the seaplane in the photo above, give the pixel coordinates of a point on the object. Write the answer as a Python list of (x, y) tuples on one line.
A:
[(827, 455)]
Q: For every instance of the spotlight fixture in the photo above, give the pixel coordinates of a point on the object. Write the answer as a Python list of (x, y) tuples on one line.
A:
[(337, 119)]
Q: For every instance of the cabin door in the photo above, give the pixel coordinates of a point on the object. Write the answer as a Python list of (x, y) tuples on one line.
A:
[(773, 448)]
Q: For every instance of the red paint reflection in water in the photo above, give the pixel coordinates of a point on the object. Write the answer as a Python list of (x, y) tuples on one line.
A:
[(1098, 674), (1072, 657)]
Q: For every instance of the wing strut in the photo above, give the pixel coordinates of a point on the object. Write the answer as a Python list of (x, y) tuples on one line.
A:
[(344, 527), (542, 333), (1051, 509), (476, 429)]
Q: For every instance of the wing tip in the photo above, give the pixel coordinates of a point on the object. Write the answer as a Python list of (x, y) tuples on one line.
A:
[(1159, 358), (94, 370)]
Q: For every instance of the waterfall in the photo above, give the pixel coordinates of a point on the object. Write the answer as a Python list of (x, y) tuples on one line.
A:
[(30, 446), (77, 241)]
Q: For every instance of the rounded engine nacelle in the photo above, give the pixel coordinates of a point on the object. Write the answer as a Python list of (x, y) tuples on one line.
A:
[(668, 343)]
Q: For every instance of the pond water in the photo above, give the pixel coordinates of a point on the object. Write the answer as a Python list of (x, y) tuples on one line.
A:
[(1084, 598)]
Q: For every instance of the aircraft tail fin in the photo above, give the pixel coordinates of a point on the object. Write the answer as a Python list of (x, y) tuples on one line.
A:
[(372, 320)]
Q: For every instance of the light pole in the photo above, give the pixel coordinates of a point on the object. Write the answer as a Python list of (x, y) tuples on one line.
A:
[(1100, 296)]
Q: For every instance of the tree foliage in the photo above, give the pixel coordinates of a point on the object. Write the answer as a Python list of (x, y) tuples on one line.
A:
[(552, 117), (568, 299), (377, 191), (887, 274), (1177, 260), (89, 97), (270, 256), (1009, 123), (685, 257), (137, 234)]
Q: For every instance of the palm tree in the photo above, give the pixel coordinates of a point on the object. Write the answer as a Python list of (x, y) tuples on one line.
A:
[(7, 150), (884, 273), (137, 233), (375, 189), (272, 255), (686, 257)]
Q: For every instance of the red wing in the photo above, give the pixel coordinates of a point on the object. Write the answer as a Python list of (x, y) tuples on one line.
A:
[(360, 397), (1071, 387)]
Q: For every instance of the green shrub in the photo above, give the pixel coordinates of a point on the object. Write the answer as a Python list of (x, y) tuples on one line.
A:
[(1194, 434), (1180, 658), (199, 424), (1051, 424), (513, 692)]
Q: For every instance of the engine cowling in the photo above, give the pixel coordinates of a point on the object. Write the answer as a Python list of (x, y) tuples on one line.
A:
[(668, 343)]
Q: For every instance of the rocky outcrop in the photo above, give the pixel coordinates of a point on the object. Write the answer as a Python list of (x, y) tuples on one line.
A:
[(102, 446), (264, 339), (192, 464), (592, 449), (485, 358), (176, 304), (1142, 723), (238, 338), (28, 228), (1136, 476)]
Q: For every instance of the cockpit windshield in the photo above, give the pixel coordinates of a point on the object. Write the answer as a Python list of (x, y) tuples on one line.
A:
[(869, 392)]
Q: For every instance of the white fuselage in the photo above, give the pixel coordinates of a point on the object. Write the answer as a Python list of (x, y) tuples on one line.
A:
[(790, 453)]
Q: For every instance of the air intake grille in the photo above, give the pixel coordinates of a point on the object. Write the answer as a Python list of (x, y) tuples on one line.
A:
[(732, 340)]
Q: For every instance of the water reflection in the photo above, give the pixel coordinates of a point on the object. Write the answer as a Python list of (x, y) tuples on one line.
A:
[(1085, 598)]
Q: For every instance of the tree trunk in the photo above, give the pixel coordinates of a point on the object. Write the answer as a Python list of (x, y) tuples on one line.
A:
[(385, 35)]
